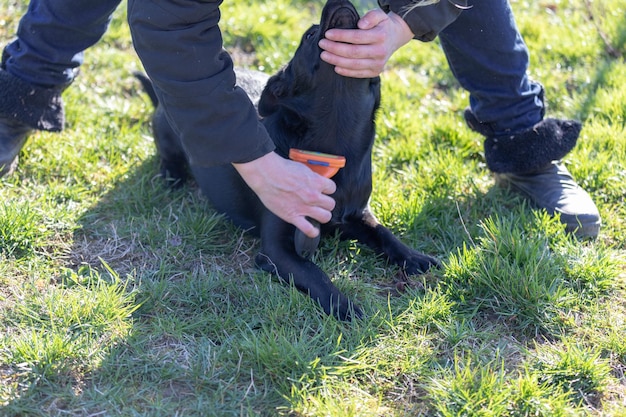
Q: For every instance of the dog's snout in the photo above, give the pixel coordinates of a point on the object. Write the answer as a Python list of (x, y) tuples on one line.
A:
[(344, 18), (339, 14)]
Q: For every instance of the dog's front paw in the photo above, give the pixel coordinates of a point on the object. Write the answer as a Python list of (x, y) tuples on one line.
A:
[(419, 263), (310, 280), (174, 173), (341, 308), (263, 262)]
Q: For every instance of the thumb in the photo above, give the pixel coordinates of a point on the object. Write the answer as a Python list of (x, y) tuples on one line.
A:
[(372, 19)]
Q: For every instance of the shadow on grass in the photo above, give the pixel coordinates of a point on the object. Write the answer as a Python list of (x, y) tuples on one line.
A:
[(211, 335), (184, 271), (208, 333)]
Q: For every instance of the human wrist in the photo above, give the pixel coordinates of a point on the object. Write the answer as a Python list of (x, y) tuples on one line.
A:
[(254, 171), (403, 32)]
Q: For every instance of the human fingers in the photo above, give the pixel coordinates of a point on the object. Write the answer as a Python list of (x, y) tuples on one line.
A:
[(335, 38), (316, 204), (370, 49), (309, 225), (363, 35), (355, 68), (310, 201), (357, 60), (290, 190)]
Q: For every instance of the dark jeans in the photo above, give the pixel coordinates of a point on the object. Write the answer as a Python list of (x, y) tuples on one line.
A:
[(483, 46), (488, 57), (52, 36)]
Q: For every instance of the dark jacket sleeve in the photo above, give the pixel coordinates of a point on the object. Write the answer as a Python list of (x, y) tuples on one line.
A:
[(180, 45), (425, 21)]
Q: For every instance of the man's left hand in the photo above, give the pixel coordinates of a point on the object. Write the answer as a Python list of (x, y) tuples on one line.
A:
[(363, 52)]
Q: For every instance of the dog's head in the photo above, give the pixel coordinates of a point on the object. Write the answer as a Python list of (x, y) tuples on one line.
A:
[(307, 87)]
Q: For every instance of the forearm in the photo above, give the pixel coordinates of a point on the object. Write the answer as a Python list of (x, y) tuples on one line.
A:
[(195, 81)]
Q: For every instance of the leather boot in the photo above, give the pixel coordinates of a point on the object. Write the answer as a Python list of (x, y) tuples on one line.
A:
[(554, 189), (13, 135), (528, 162)]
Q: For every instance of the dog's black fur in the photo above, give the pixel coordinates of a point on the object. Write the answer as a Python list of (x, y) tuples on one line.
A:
[(307, 106)]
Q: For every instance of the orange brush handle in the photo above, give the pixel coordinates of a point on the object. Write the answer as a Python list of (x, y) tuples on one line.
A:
[(322, 163)]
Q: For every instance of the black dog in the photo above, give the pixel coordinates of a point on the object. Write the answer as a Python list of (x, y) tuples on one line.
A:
[(306, 106)]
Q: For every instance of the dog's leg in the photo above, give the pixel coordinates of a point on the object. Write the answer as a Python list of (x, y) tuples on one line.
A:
[(174, 166), (278, 256), (366, 229)]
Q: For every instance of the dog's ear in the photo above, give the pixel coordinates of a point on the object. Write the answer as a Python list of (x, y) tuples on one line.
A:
[(276, 88)]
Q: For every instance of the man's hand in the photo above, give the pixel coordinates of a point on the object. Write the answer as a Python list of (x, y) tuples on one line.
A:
[(363, 52), (290, 190)]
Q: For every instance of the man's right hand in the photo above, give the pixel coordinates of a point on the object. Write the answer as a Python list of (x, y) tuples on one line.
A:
[(290, 190)]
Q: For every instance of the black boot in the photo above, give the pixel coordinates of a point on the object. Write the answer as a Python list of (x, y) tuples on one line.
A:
[(528, 162), (13, 135), (24, 108)]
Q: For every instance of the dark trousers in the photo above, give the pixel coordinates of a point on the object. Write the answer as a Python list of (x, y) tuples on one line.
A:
[(483, 46), (51, 39)]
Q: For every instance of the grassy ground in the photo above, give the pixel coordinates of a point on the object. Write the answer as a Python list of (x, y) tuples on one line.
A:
[(119, 297)]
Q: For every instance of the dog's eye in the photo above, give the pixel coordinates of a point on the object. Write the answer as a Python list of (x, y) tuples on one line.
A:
[(310, 34)]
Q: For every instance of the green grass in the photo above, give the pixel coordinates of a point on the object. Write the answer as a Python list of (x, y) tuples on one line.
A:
[(119, 297)]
